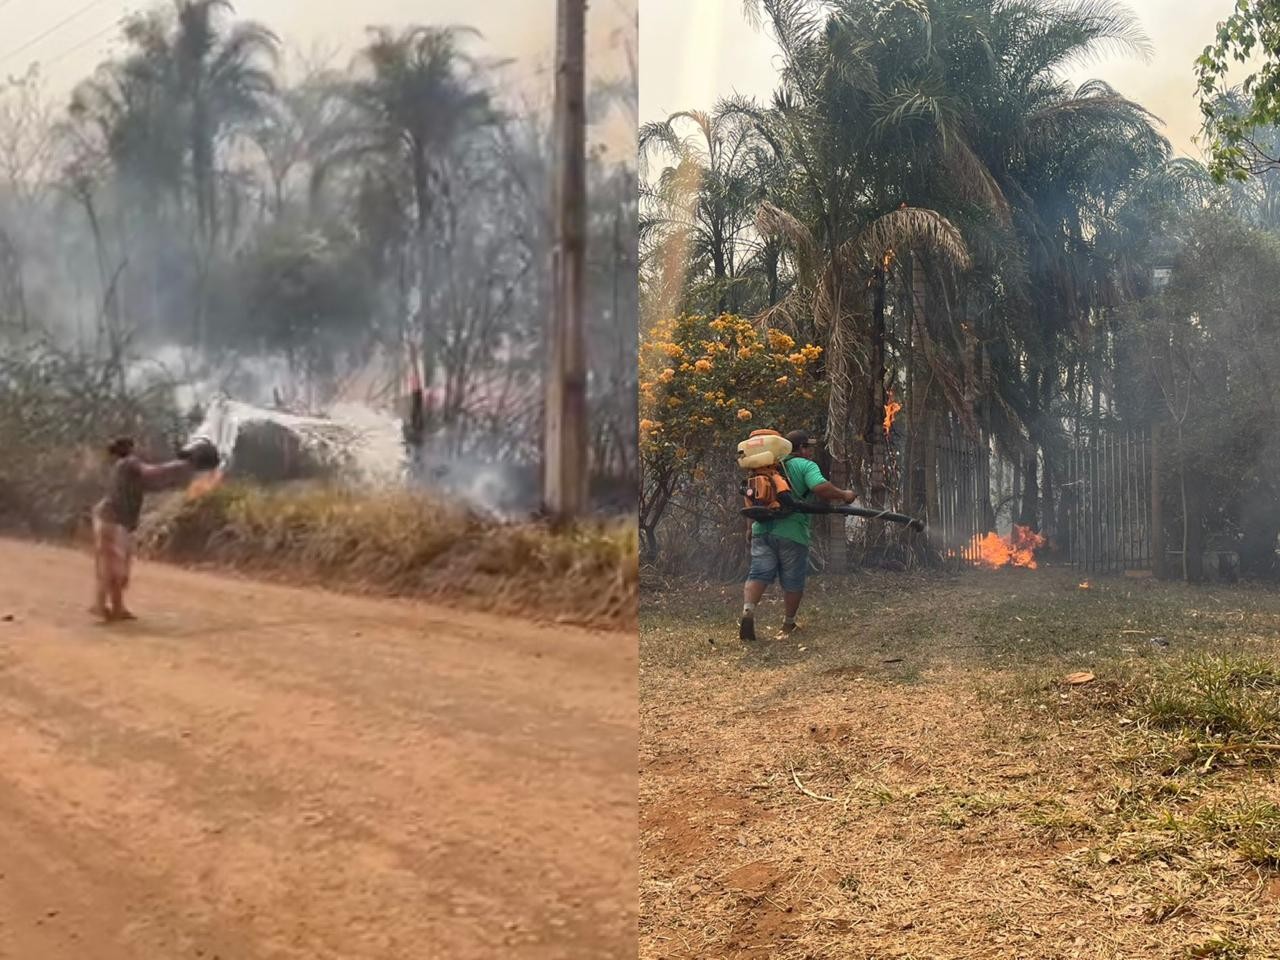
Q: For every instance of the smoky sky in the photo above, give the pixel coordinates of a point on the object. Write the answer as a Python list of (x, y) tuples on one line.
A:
[(68, 38), (692, 53)]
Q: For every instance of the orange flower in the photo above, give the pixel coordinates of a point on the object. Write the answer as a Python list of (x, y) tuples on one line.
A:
[(780, 342)]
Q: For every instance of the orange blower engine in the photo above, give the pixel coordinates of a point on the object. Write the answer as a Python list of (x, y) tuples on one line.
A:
[(766, 490)]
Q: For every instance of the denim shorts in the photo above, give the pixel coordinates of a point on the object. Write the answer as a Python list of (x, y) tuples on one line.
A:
[(774, 557)]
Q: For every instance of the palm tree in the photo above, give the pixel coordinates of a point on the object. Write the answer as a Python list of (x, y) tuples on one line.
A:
[(851, 132), (224, 78), (418, 99), (702, 204), (292, 135), (955, 107), (150, 125)]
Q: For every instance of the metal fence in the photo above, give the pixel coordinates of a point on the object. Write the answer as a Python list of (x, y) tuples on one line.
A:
[(961, 512), (963, 470), (1107, 500)]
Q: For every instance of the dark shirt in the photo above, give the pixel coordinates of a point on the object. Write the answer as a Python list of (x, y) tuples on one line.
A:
[(130, 480)]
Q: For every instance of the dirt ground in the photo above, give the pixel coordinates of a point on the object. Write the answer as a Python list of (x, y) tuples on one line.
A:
[(910, 777), (252, 771)]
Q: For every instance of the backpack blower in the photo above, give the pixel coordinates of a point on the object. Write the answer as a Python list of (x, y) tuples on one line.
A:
[(767, 492)]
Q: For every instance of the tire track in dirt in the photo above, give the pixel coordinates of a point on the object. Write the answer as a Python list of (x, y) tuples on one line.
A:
[(253, 771)]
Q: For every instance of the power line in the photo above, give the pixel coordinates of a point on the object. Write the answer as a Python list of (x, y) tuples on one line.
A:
[(82, 44), (52, 30)]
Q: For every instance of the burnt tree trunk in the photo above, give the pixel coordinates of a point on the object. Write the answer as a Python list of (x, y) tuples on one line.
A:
[(1027, 516)]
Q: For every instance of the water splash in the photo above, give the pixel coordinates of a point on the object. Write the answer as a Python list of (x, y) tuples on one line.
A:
[(354, 443), (362, 446)]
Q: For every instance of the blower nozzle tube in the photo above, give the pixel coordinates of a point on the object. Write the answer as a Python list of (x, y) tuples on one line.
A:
[(867, 513)]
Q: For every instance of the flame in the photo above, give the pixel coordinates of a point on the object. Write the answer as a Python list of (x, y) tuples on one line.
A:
[(203, 484), (891, 408), (993, 551)]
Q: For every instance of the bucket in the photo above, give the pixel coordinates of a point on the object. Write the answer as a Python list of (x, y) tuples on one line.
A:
[(201, 454)]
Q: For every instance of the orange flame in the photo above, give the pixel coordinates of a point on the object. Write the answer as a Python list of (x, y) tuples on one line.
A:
[(993, 551), (891, 408), (203, 484)]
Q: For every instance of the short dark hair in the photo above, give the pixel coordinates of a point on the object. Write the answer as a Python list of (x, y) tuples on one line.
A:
[(120, 447), (799, 438)]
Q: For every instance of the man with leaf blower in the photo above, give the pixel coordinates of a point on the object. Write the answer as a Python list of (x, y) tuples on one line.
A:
[(780, 537), (781, 477)]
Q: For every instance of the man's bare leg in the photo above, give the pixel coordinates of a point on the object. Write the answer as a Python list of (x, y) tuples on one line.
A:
[(118, 611), (99, 608), (752, 592), (791, 604)]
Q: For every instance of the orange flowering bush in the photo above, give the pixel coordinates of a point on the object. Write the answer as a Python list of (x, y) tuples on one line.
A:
[(706, 383)]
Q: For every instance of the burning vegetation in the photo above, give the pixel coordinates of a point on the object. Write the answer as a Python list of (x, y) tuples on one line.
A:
[(993, 551), (891, 409)]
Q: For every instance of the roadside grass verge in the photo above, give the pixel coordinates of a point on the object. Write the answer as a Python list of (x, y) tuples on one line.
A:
[(398, 544)]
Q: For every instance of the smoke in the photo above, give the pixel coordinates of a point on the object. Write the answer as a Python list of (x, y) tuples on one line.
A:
[(360, 446), (275, 291), (501, 488)]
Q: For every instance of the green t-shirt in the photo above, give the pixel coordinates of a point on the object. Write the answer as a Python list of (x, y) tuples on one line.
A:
[(803, 475)]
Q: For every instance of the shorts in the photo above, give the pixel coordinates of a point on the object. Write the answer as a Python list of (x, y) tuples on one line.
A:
[(774, 557), (113, 552)]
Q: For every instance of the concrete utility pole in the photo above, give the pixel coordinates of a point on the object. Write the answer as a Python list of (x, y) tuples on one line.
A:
[(565, 452)]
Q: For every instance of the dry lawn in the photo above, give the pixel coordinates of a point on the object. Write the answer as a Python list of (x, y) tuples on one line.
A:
[(911, 777)]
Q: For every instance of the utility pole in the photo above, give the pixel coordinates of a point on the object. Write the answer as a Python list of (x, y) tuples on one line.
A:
[(565, 451)]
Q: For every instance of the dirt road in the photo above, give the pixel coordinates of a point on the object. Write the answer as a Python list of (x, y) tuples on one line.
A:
[(251, 771)]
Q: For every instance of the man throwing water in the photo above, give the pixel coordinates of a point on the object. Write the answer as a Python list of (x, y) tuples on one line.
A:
[(780, 548), (116, 516)]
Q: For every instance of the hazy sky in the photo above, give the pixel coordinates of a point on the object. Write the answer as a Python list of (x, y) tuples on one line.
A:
[(69, 37), (694, 51)]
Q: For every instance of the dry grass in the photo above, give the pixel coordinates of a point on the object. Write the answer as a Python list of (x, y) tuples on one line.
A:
[(973, 804), (57, 413), (403, 545)]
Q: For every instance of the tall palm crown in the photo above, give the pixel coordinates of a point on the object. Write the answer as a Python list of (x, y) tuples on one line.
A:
[(187, 83), (702, 203), (422, 95)]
